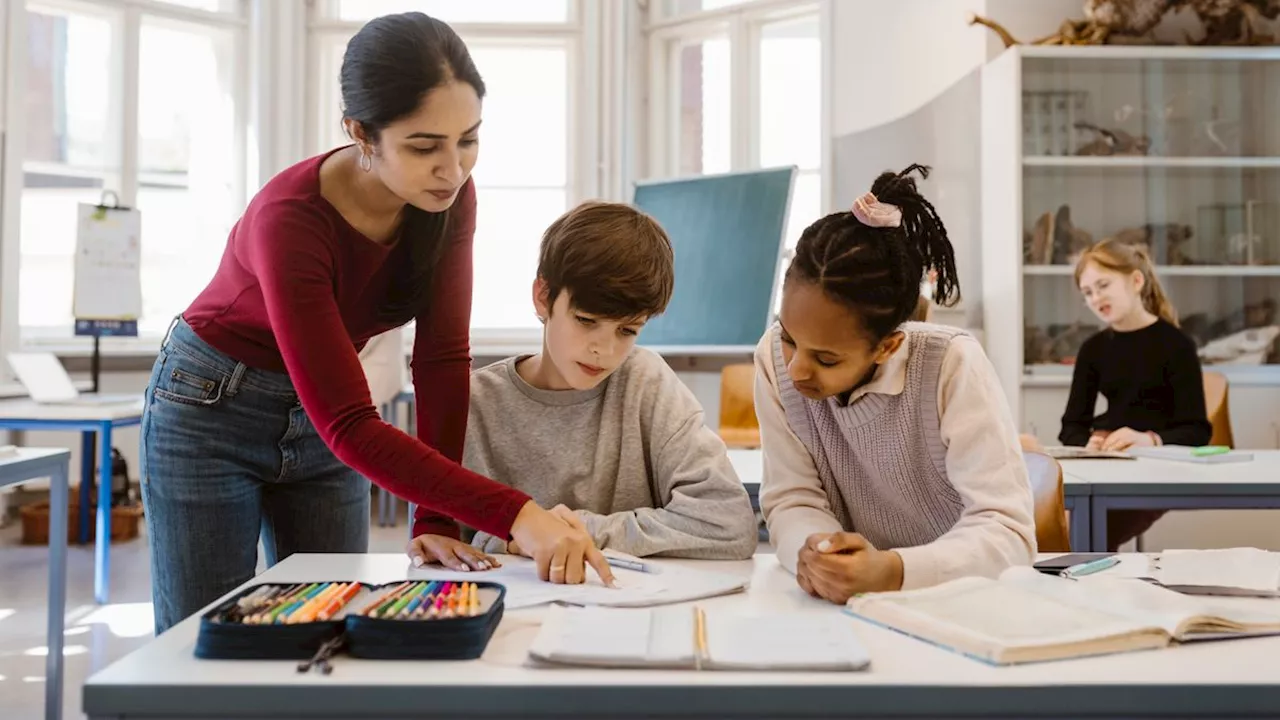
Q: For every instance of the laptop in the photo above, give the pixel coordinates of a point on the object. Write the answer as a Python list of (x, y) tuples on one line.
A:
[(48, 383)]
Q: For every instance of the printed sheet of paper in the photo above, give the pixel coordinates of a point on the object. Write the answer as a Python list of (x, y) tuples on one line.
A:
[(108, 264)]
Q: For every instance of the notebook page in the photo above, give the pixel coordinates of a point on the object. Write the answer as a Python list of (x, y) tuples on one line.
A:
[(1243, 570), (784, 642), (979, 615), (592, 636)]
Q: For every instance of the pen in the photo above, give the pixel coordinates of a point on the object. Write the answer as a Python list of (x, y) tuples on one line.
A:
[(636, 565), (1090, 567)]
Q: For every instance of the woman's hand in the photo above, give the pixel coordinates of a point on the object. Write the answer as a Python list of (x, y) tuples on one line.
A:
[(840, 565), (560, 548), (453, 554), (1126, 438)]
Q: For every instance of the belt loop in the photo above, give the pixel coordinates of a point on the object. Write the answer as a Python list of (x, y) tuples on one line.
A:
[(169, 332), (237, 375)]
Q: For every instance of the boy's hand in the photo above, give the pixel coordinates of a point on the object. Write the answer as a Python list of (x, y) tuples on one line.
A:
[(453, 554), (840, 565)]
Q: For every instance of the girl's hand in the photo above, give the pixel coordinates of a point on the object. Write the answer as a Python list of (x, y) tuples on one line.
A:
[(840, 565), (1126, 438), (453, 554), (1096, 440)]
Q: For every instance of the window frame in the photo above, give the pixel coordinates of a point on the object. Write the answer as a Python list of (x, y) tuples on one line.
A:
[(323, 30), (127, 18)]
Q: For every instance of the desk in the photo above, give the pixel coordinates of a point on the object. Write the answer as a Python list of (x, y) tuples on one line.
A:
[(908, 678), (90, 421), (1149, 484), (55, 464)]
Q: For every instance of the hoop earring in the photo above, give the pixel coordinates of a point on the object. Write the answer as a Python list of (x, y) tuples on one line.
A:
[(366, 162)]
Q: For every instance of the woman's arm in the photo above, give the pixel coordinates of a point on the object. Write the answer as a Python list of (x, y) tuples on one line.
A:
[(296, 276)]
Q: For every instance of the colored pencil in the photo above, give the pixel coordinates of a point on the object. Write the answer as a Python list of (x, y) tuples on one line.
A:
[(339, 602)]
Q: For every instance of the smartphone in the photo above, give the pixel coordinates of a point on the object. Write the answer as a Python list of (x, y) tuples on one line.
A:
[(1055, 565)]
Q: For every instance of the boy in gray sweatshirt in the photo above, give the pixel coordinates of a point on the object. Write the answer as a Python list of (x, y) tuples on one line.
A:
[(596, 426)]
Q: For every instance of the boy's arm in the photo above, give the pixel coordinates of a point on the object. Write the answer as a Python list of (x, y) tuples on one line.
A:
[(792, 499), (704, 510), (984, 462)]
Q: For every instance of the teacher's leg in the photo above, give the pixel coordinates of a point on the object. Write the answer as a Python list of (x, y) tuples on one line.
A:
[(318, 504), (201, 460)]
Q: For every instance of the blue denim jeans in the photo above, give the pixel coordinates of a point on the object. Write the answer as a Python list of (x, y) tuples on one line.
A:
[(228, 457)]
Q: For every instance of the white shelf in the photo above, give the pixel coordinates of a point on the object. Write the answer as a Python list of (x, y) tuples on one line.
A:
[(1144, 161), (1172, 270), (1148, 52)]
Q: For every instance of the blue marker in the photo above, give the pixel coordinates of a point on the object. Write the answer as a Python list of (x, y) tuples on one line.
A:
[(1090, 567)]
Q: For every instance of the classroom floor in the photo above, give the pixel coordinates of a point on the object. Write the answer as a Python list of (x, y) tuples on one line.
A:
[(96, 635)]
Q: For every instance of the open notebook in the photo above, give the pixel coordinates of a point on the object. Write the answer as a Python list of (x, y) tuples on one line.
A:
[(1027, 616), (688, 637), (1231, 571), (1071, 452)]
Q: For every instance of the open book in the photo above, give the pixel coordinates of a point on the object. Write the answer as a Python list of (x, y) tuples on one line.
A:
[(687, 637), (1027, 616), (1232, 571)]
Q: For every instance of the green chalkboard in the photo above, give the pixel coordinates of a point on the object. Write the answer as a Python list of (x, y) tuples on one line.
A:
[(727, 234)]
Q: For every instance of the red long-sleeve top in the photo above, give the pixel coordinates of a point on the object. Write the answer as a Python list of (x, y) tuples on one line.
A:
[(297, 291)]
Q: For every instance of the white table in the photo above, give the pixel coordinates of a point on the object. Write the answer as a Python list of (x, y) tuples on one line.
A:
[(908, 678), (1149, 484), (53, 463), (90, 421)]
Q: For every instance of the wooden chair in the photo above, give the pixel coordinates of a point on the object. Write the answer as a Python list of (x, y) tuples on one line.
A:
[(1215, 405), (1052, 533), (739, 427)]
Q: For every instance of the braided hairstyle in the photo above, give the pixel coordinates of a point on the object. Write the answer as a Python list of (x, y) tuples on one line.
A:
[(877, 271)]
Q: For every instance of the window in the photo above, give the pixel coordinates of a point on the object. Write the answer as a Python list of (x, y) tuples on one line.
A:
[(178, 105), (739, 86), (524, 176)]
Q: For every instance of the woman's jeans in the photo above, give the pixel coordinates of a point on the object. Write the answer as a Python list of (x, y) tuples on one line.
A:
[(228, 456)]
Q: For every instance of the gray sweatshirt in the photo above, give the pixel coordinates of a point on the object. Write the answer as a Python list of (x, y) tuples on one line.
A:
[(631, 456)]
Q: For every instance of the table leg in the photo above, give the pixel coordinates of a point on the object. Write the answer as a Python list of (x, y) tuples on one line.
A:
[(87, 445), (101, 568), (58, 492), (1098, 520), (1081, 525)]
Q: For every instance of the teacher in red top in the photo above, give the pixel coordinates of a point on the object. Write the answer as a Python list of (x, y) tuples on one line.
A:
[(258, 420)]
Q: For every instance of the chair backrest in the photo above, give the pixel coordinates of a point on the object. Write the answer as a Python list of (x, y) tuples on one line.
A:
[(1052, 533), (739, 427), (1215, 405)]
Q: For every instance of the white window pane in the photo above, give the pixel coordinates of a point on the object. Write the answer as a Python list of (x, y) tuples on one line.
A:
[(462, 11), (703, 107), (806, 206), (68, 101), (210, 5), (524, 139), (48, 244), (509, 226), (331, 133), (685, 7), (187, 193), (790, 94)]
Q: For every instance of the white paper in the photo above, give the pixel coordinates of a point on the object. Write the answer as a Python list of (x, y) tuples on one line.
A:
[(108, 264), (635, 589)]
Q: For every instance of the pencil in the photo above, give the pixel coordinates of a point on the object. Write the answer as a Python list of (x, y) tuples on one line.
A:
[(699, 637), (417, 601), (386, 599), (309, 611), (475, 600)]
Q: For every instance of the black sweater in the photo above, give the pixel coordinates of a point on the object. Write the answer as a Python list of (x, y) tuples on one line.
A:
[(1151, 379)]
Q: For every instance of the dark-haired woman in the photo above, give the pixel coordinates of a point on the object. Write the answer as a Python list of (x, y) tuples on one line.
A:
[(890, 455), (258, 421)]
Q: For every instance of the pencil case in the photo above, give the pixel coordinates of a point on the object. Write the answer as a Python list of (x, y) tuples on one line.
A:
[(420, 628)]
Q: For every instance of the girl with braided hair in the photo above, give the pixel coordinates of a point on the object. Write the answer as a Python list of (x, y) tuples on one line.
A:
[(890, 455)]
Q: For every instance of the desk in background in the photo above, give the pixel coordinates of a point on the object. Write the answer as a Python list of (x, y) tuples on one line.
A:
[(30, 464), (1150, 484), (908, 678), (94, 423)]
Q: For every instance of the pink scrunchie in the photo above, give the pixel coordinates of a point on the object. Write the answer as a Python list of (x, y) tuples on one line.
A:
[(874, 213)]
